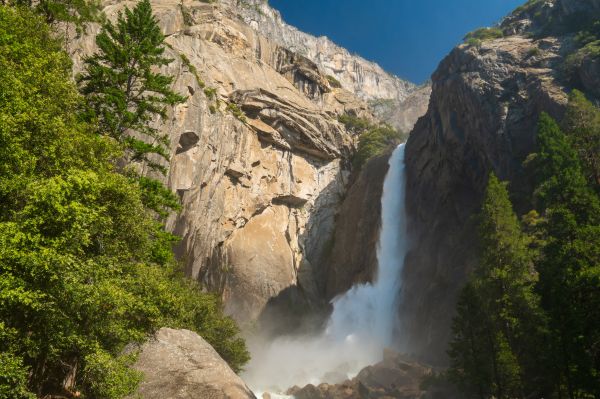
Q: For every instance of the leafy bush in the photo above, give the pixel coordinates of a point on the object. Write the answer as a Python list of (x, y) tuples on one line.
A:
[(333, 82), (354, 124), (85, 266), (373, 139), (374, 142)]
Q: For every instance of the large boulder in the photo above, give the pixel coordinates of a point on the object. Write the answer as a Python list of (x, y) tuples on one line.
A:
[(179, 364)]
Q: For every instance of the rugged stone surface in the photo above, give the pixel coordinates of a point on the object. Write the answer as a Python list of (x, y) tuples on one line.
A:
[(395, 377), (403, 114), (353, 246), (482, 116), (179, 364), (259, 160), (361, 77)]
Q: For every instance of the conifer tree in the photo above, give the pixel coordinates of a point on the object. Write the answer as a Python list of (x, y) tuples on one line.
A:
[(498, 314), (570, 266), (123, 87)]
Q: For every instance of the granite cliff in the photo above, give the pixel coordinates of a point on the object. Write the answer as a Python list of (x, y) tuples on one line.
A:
[(484, 106), (258, 157), (395, 101)]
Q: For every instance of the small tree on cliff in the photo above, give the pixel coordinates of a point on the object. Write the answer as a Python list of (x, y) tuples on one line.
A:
[(123, 88)]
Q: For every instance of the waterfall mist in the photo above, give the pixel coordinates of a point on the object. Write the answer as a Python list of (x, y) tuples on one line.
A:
[(363, 319)]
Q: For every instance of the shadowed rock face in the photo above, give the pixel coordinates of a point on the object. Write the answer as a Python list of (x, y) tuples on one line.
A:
[(179, 364), (353, 247), (482, 117)]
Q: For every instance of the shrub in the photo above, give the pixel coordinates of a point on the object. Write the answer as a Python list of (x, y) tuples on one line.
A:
[(481, 35), (333, 82), (236, 111), (374, 142), (354, 124)]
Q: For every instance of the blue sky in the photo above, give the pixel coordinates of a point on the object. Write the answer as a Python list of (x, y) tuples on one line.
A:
[(406, 37)]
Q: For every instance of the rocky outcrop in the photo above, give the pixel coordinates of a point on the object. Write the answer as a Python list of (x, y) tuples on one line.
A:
[(403, 114), (482, 116), (179, 364), (364, 78), (395, 377), (259, 159)]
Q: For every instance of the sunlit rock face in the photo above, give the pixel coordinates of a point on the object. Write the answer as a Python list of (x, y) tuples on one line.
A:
[(179, 364), (258, 157), (482, 117), (397, 102)]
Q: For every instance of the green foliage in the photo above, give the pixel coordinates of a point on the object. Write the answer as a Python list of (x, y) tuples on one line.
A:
[(108, 376), (354, 124), (506, 342), (481, 35), (123, 89), (211, 93), (582, 124), (498, 315), (570, 264), (375, 141), (534, 52), (236, 111), (192, 68), (528, 6), (333, 82), (13, 378), (85, 267), (77, 12)]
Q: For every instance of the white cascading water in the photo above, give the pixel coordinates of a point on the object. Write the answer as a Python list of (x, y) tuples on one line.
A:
[(363, 319)]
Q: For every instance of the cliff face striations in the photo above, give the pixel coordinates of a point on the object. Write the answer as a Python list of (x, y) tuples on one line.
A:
[(482, 116), (397, 102), (258, 157)]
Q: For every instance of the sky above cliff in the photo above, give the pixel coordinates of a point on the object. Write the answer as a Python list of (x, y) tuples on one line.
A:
[(406, 37)]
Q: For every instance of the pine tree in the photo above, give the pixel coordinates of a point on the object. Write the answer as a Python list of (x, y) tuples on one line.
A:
[(570, 266), (123, 88), (498, 316)]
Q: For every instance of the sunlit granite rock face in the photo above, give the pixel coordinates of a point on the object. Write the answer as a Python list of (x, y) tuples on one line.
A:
[(258, 157)]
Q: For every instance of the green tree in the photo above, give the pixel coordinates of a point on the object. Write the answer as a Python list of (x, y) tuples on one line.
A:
[(570, 264), (85, 267), (76, 12), (374, 141), (498, 315), (582, 124), (123, 87)]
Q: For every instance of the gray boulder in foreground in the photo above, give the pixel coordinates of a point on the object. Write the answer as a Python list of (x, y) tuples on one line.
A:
[(180, 364)]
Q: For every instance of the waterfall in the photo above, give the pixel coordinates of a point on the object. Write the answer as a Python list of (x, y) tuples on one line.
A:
[(363, 319)]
